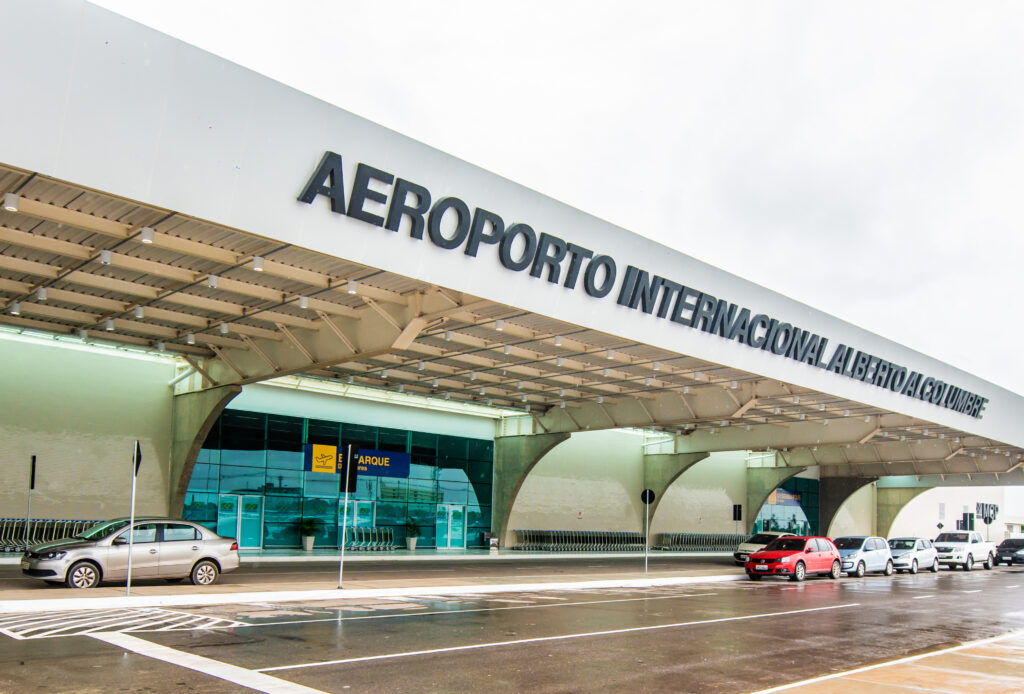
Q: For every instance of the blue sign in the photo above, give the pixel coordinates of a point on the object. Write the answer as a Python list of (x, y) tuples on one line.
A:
[(382, 463)]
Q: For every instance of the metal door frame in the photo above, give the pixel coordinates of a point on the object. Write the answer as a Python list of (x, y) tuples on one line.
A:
[(238, 516), (465, 529)]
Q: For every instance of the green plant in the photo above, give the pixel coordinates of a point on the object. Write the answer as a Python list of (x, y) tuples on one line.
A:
[(308, 526), (412, 528)]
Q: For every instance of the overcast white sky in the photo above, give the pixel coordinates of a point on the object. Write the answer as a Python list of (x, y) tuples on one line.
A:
[(865, 158)]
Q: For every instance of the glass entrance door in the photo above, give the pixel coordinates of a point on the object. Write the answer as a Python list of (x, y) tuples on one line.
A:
[(241, 517), (450, 526), (361, 514)]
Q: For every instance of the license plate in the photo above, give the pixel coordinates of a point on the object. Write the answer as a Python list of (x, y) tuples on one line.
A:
[(1005, 558), (760, 567)]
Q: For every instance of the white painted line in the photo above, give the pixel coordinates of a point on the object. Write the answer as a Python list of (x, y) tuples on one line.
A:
[(921, 597), (899, 661), (207, 666), (1014, 586), (436, 613), (79, 604), (562, 637), (972, 591)]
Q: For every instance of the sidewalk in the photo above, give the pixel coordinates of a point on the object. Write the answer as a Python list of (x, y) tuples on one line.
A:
[(322, 584)]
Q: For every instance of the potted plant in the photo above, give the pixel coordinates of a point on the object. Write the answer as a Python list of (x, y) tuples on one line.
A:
[(412, 531), (308, 528)]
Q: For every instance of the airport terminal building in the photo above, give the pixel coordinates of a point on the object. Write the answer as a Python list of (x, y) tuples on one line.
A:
[(232, 273)]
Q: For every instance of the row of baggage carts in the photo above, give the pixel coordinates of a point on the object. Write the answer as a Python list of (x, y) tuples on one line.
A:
[(621, 541), (16, 533)]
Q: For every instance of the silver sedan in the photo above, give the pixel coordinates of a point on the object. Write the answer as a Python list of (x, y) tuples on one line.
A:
[(160, 548)]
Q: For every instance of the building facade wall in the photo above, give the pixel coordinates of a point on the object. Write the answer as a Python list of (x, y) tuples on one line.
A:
[(79, 411), (856, 516), (701, 499), (946, 505)]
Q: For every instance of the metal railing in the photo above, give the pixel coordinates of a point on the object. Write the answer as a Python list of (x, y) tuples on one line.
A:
[(16, 534), (578, 541), (698, 542), (373, 539)]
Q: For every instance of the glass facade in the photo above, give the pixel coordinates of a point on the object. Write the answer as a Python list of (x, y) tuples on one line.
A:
[(251, 465), (792, 508)]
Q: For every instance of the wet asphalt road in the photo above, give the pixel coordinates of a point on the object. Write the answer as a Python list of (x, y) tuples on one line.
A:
[(723, 637)]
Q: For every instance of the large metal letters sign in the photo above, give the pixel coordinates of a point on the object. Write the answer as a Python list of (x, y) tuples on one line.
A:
[(382, 463)]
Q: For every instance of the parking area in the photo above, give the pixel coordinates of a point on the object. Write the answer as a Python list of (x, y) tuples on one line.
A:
[(731, 636)]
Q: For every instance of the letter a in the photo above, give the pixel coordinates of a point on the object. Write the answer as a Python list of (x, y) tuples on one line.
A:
[(328, 169)]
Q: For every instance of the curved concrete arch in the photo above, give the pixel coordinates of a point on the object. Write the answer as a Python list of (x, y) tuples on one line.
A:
[(514, 458), (662, 469), (194, 414), (761, 482), (889, 502), (833, 492)]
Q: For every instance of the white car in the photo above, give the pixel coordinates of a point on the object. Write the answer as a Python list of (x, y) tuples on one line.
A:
[(913, 553), (965, 549), (861, 554), (755, 543)]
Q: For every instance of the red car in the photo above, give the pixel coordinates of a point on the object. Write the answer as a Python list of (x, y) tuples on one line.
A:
[(795, 557)]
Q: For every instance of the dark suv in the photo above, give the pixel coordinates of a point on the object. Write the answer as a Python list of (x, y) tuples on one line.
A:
[(1010, 552)]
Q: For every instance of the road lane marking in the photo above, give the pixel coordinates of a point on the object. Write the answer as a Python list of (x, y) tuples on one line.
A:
[(207, 666), (562, 637), (56, 625), (973, 591), (921, 597), (899, 661), (433, 613)]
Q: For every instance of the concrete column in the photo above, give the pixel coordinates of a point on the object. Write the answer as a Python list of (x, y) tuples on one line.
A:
[(761, 482), (514, 457), (889, 501), (832, 494), (194, 414), (662, 469)]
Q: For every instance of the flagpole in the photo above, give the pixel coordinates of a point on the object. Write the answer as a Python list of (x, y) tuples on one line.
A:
[(344, 515), (131, 519), (28, 511)]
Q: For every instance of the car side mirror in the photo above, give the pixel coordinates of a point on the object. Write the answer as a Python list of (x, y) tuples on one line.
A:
[(808, 550), (119, 541)]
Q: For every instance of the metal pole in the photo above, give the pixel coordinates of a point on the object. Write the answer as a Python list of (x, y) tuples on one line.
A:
[(344, 515), (647, 532), (131, 524), (28, 511)]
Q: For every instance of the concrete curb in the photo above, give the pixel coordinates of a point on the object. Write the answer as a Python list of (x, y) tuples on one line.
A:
[(69, 604)]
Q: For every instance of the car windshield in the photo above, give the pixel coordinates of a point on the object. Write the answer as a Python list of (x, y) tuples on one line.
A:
[(761, 539), (902, 544), (101, 530), (1015, 543), (786, 544), (951, 537), (849, 542)]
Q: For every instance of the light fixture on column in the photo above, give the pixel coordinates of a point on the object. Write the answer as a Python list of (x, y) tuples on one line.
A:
[(401, 387), (435, 383), (421, 365), (257, 263), (499, 325), (519, 385), (600, 399), (867, 418), (846, 413), (489, 402), (11, 202), (523, 397), (383, 373), (697, 375), (559, 361), (472, 375), (734, 385), (508, 349), (777, 410), (190, 339), (108, 325), (140, 312), (212, 281), (796, 399), (606, 372), (146, 234), (16, 308), (821, 408), (648, 381), (656, 366), (610, 354), (481, 391), (351, 380), (303, 302), (83, 333), (561, 403), (447, 396), (224, 327), (448, 334), (105, 257), (561, 392), (41, 294), (686, 390), (825, 421), (160, 347), (353, 287), (558, 340)]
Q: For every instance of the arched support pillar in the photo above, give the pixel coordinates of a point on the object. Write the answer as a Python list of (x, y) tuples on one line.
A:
[(662, 469), (888, 504), (832, 494), (514, 457), (761, 482), (194, 414)]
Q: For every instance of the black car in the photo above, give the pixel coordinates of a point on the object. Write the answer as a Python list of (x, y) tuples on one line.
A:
[(1010, 552)]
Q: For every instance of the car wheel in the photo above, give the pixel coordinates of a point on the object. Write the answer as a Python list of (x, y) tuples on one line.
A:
[(799, 572), (83, 574), (753, 577), (204, 573), (935, 566), (989, 562), (837, 569), (969, 564), (888, 568), (913, 567), (860, 571)]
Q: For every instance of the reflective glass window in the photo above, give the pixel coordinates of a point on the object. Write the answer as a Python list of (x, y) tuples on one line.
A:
[(392, 440), (241, 479), (284, 482), (391, 488), (480, 471), (422, 490), (451, 447), (204, 478), (480, 494), (284, 442), (243, 438), (391, 513), (323, 432), (141, 533), (479, 516), (359, 436), (480, 450), (452, 470), (321, 484), (200, 507), (452, 492), (176, 532)]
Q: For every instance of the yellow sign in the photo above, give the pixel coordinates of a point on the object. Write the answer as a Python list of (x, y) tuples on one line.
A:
[(324, 458)]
